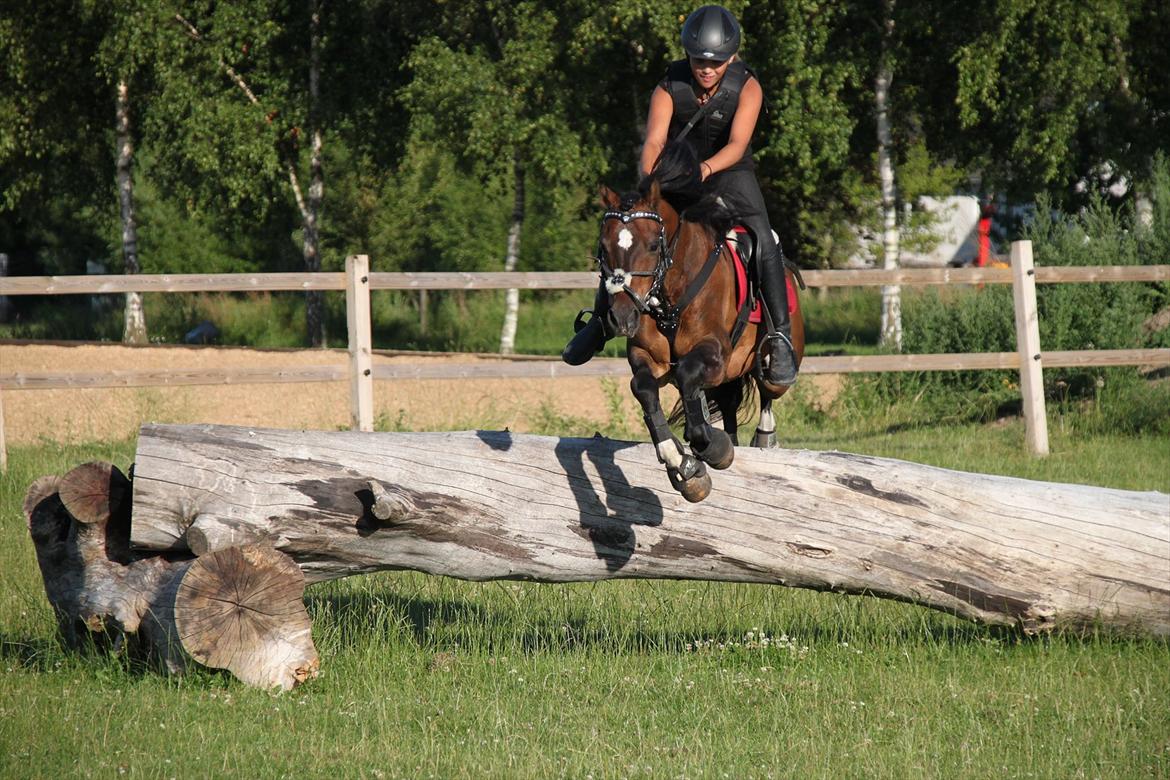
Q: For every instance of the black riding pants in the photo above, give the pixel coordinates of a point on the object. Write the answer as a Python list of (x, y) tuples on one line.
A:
[(741, 193)]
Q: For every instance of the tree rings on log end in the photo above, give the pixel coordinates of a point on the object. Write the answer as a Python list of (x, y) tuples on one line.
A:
[(242, 609), (94, 492)]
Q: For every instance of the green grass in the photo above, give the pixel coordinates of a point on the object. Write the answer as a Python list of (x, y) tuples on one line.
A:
[(432, 677)]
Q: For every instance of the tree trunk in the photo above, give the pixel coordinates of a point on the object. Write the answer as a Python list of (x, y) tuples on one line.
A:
[(512, 297), (134, 330), (891, 332), (239, 608), (314, 299), (481, 506), (309, 209)]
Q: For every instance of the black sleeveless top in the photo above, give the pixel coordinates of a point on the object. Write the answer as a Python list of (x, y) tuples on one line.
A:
[(712, 132)]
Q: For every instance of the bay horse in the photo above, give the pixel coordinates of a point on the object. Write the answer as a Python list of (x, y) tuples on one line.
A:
[(670, 274)]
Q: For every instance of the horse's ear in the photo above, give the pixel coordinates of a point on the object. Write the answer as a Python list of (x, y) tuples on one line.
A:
[(609, 198), (655, 194)]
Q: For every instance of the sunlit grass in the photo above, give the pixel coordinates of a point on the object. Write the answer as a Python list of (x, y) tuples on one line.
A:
[(433, 677)]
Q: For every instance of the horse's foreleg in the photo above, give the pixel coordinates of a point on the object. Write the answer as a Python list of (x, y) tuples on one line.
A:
[(711, 444), (687, 474), (765, 437)]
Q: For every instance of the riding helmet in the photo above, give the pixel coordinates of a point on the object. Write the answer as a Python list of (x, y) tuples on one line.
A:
[(711, 33)]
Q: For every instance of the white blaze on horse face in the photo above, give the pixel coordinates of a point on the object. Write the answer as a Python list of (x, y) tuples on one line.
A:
[(625, 238)]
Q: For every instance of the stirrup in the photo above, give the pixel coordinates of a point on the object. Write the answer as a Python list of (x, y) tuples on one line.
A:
[(588, 340), (787, 379), (580, 322)]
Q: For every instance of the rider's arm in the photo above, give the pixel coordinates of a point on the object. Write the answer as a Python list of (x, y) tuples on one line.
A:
[(657, 125), (751, 97)]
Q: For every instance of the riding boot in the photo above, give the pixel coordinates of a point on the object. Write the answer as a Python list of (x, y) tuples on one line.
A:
[(590, 335), (781, 367)]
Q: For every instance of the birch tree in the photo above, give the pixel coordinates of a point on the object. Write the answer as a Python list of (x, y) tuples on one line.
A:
[(493, 92), (241, 110), (891, 327)]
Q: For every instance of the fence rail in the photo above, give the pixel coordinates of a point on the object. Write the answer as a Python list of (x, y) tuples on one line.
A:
[(499, 368), (357, 281)]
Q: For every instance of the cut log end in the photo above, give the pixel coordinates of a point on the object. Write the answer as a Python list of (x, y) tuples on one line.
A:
[(94, 492), (241, 609)]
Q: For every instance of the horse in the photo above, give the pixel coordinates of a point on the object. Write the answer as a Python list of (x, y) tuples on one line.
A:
[(668, 268)]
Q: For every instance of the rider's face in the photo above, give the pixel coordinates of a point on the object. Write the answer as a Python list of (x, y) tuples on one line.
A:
[(708, 72)]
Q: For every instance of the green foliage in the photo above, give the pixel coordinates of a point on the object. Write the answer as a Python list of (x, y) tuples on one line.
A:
[(1071, 316)]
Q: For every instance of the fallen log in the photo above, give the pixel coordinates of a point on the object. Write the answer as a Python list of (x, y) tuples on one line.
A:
[(480, 506), (238, 608)]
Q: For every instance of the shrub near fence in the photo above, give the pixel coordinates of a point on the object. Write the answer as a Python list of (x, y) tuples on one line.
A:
[(358, 281)]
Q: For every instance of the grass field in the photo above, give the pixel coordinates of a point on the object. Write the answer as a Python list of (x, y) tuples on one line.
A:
[(431, 677)]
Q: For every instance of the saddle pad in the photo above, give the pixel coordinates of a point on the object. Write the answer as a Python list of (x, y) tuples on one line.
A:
[(741, 282)]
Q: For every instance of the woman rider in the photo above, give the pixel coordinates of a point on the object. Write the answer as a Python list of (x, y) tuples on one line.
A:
[(721, 139)]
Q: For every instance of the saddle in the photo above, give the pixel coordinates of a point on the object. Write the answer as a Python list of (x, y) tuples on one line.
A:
[(742, 245)]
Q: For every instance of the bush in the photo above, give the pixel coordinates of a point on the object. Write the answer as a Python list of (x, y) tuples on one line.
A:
[(1072, 316)]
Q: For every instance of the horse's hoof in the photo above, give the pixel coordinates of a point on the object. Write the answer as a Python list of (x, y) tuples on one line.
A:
[(765, 440), (696, 488), (719, 452)]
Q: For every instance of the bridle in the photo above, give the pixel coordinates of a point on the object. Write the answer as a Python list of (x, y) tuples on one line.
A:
[(617, 279), (655, 304)]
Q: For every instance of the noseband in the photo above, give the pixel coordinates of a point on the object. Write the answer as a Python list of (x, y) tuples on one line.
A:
[(655, 304)]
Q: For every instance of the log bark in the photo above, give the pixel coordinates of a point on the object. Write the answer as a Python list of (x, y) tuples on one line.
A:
[(483, 505), (238, 609)]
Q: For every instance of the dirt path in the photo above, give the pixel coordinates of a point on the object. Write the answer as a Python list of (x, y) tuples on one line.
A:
[(98, 414)]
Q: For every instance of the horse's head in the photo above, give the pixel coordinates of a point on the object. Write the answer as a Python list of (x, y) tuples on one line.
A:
[(634, 253)]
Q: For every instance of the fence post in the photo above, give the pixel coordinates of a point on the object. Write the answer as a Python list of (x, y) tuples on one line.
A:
[(361, 362), (1028, 347)]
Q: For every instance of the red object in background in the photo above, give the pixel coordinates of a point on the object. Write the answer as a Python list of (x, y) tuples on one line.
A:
[(985, 214), (984, 242)]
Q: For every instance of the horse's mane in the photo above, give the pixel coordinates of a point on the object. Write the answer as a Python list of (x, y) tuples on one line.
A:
[(681, 183)]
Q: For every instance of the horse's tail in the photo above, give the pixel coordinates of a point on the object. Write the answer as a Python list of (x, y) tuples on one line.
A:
[(740, 392)]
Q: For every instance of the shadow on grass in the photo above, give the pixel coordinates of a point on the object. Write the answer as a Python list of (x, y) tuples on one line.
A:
[(33, 654), (445, 624)]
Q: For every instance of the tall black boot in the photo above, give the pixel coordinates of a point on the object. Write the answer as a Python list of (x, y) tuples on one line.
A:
[(592, 334), (781, 368)]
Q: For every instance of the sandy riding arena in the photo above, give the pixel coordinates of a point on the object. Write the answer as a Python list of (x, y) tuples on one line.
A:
[(84, 414), (103, 413)]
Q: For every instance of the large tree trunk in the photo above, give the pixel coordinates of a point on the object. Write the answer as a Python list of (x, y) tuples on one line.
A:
[(512, 296), (134, 331), (891, 326), (481, 506)]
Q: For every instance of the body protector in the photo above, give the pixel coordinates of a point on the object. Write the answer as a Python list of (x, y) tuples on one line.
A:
[(713, 130)]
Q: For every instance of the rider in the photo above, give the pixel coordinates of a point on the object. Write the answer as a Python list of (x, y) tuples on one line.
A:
[(721, 138)]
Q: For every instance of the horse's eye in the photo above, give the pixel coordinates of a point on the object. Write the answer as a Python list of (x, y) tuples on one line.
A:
[(654, 246)]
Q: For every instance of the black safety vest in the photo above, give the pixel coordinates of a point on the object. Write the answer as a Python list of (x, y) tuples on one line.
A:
[(712, 132)]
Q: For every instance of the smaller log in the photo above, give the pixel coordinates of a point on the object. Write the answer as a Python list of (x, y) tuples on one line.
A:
[(149, 606), (242, 609)]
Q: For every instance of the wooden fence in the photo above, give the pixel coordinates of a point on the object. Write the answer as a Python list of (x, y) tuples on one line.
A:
[(357, 281)]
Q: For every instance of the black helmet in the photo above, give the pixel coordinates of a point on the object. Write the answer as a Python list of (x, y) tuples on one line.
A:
[(711, 33)]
